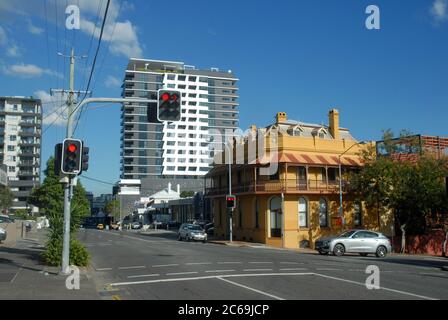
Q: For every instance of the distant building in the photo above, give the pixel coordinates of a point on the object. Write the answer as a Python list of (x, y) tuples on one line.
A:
[(127, 192), (89, 196), (99, 203), (179, 152), (20, 146)]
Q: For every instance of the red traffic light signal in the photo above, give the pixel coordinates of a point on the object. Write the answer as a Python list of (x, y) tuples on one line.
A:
[(230, 202), (169, 105), (71, 157)]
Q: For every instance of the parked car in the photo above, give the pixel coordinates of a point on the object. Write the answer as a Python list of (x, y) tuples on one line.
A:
[(5, 219), (191, 232), (100, 226), (114, 226), (173, 225), (136, 225), (2, 234), (363, 242)]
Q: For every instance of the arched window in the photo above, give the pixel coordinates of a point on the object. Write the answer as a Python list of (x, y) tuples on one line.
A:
[(323, 213), (357, 214), (275, 208), (303, 213)]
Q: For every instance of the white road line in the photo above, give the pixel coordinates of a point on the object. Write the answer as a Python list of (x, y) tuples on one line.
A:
[(243, 275), (381, 288), (229, 262), (251, 289), (260, 262), (144, 275), (293, 269), (328, 269), (133, 267), (217, 271), (197, 263), (103, 269), (181, 273), (165, 265), (432, 274), (291, 262), (257, 270)]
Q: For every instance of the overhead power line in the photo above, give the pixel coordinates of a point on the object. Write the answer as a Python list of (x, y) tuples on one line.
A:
[(98, 180), (94, 63)]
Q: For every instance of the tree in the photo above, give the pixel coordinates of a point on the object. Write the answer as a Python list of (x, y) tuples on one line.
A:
[(112, 208), (49, 197), (6, 198), (187, 194), (411, 191)]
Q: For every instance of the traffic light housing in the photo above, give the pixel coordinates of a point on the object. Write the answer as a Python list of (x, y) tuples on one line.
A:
[(57, 159), (71, 163), (85, 158), (230, 202), (169, 105)]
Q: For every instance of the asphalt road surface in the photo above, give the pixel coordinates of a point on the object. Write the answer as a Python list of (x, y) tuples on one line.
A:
[(128, 265)]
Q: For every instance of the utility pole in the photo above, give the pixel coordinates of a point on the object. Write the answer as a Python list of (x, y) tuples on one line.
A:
[(68, 181)]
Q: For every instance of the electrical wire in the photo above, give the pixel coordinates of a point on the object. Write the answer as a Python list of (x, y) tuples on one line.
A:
[(94, 63), (98, 180)]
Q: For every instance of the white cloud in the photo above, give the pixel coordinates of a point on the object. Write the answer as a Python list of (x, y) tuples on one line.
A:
[(54, 109), (112, 82), (28, 71), (121, 35), (439, 10), (33, 29), (13, 51)]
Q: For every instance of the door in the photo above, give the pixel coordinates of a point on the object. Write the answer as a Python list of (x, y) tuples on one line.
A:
[(371, 242), (357, 242)]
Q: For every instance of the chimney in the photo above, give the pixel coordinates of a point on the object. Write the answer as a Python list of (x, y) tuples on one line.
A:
[(281, 117), (253, 128), (169, 187), (333, 119), (178, 188)]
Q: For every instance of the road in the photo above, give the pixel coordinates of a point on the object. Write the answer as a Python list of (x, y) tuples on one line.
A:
[(128, 265)]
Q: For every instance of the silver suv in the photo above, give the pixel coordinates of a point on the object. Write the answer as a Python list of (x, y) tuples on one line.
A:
[(363, 242), (190, 232)]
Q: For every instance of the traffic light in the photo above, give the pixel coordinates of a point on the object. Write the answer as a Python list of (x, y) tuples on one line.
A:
[(231, 202), (57, 159), (85, 158), (71, 157), (169, 105)]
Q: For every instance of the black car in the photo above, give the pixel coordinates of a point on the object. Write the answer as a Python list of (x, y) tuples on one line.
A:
[(173, 225)]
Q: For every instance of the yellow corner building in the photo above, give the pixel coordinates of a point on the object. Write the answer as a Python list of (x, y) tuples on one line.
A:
[(298, 199)]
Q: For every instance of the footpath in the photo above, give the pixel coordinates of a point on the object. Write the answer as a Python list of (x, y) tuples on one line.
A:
[(24, 276)]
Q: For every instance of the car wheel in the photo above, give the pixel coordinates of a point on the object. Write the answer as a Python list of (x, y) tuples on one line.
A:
[(179, 238), (324, 253), (339, 250), (188, 238), (204, 241), (381, 252), (363, 254)]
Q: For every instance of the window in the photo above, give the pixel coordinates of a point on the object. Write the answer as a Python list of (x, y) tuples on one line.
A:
[(182, 168), (171, 77), (358, 214), (12, 169), (323, 213), (321, 135), (181, 86), (13, 138), (15, 107), (303, 213), (11, 148), (171, 86), (192, 79), (181, 78), (332, 174), (275, 206)]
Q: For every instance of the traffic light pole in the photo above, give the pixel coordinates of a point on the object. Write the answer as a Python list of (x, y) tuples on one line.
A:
[(68, 181), (68, 188)]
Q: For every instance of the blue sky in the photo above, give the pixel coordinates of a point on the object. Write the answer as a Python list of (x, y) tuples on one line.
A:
[(303, 57)]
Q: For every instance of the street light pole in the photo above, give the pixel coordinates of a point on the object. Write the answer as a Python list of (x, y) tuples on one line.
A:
[(230, 193), (341, 209)]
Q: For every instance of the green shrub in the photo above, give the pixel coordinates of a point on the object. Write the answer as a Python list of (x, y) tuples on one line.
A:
[(79, 255)]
